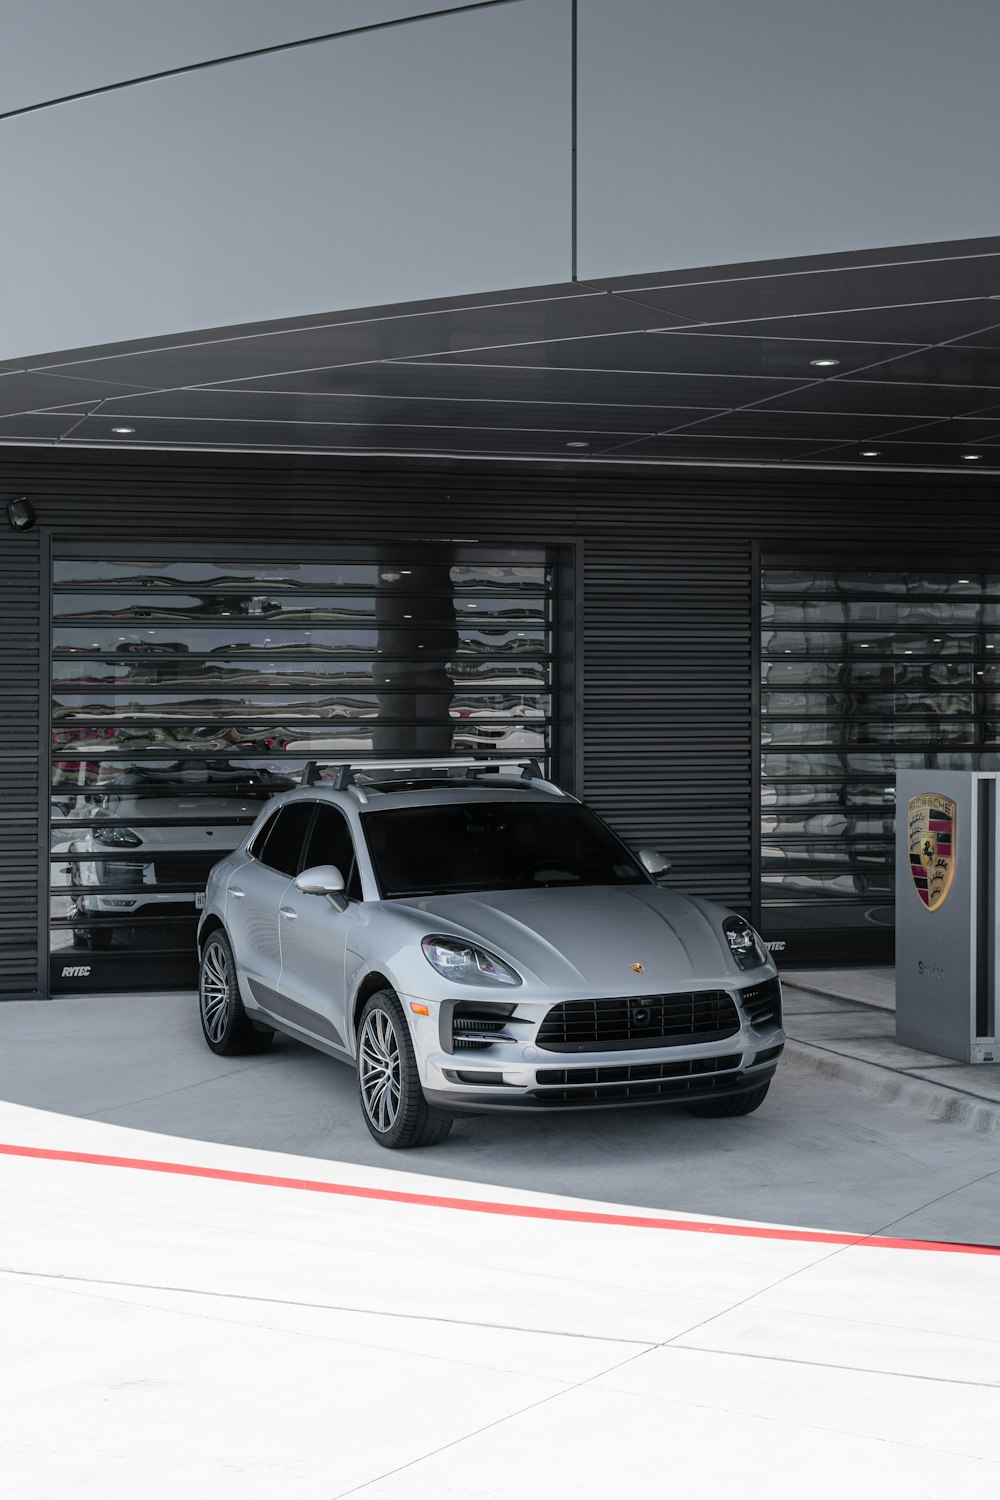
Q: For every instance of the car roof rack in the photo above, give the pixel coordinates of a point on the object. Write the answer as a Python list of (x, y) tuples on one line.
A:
[(345, 772)]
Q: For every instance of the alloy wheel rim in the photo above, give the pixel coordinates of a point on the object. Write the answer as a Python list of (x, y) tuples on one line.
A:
[(215, 992), (379, 1070)]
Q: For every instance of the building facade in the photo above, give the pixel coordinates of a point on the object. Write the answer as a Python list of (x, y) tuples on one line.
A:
[(360, 426)]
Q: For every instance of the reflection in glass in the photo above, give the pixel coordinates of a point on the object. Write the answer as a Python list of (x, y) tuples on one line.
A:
[(193, 673), (903, 662), (186, 693), (353, 609), (154, 642), (878, 584), (869, 645), (507, 578)]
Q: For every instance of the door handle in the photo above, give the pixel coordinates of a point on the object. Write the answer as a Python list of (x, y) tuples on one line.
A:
[(288, 911), (237, 891)]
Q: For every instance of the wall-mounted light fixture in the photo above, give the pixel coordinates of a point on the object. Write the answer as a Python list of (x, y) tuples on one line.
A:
[(20, 513)]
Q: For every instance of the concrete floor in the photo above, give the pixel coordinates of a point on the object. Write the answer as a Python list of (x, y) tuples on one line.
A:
[(212, 1329), (819, 1153)]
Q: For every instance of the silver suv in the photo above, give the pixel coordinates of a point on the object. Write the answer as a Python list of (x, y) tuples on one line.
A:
[(480, 943)]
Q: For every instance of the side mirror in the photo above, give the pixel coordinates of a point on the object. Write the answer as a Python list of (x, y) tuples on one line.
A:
[(653, 862), (323, 880)]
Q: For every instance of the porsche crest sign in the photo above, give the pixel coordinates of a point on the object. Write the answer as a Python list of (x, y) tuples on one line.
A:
[(931, 818)]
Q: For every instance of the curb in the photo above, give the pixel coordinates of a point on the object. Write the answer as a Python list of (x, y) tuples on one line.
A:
[(935, 1101)]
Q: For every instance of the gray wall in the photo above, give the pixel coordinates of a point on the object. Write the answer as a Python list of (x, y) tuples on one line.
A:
[(718, 131), (413, 161), (430, 157)]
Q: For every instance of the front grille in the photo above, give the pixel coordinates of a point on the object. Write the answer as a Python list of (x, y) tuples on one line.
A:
[(762, 1003), (636, 1081), (642, 1021)]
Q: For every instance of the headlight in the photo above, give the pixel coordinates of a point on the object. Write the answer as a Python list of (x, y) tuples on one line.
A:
[(744, 944), (465, 963), (116, 837)]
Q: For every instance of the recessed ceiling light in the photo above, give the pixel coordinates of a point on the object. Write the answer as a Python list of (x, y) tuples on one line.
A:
[(824, 364), (123, 431), (871, 452), (577, 445), (971, 457)]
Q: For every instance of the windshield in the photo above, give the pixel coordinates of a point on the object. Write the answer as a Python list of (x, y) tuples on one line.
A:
[(494, 846)]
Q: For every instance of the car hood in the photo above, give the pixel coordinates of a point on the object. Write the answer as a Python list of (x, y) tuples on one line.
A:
[(589, 936)]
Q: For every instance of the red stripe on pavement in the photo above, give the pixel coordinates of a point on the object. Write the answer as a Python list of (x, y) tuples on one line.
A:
[(489, 1206)]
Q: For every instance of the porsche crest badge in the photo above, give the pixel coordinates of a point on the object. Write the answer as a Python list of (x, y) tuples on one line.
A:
[(638, 968), (932, 846)]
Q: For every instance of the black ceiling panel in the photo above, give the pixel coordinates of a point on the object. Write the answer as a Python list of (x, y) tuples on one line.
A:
[(687, 446), (21, 391), (920, 323), (589, 315), (948, 364), (688, 353), (780, 294), (916, 454), (816, 426), (987, 338), (30, 426), (712, 364), (457, 381), (340, 438), (964, 432), (919, 402), (228, 403)]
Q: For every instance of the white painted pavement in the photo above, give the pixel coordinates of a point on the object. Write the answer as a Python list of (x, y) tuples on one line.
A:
[(169, 1336)]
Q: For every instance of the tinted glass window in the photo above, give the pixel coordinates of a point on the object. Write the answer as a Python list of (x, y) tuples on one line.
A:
[(282, 849), (489, 846), (330, 843), (188, 691), (256, 846)]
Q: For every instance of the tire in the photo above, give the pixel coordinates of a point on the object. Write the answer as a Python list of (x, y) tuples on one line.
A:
[(227, 1028), (392, 1101), (735, 1104)]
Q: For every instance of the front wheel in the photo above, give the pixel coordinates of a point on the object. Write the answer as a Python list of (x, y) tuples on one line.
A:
[(738, 1104), (228, 1029), (392, 1101)]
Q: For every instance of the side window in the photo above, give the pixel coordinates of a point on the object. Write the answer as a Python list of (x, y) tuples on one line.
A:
[(330, 843), (255, 847), (282, 849)]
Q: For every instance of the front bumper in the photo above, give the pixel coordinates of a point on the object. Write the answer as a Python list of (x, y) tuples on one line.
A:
[(518, 1074)]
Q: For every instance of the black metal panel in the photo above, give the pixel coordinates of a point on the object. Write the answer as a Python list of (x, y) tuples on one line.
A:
[(664, 687), (23, 661)]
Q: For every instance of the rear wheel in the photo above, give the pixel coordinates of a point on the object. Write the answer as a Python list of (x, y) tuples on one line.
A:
[(392, 1101), (735, 1104), (227, 1027)]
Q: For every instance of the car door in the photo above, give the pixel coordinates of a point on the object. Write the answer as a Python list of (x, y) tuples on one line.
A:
[(313, 936), (254, 893)]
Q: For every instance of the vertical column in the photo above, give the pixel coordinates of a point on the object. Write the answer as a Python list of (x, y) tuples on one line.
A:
[(23, 671)]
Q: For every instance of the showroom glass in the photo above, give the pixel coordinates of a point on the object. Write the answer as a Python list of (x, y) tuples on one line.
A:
[(494, 846), (863, 673), (187, 692)]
